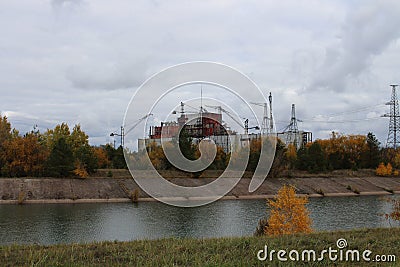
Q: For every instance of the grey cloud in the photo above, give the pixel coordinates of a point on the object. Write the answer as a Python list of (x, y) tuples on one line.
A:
[(65, 4), (367, 31), (109, 75), (64, 60)]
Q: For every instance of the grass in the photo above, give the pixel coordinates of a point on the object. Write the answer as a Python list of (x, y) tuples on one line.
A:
[(240, 251)]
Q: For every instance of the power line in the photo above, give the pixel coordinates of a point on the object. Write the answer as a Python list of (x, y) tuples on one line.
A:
[(342, 121), (325, 118), (348, 111)]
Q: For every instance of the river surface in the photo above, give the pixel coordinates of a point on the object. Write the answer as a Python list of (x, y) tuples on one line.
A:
[(69, 223)]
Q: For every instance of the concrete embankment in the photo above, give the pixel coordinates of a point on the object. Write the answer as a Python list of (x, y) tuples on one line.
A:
[(119, 189)]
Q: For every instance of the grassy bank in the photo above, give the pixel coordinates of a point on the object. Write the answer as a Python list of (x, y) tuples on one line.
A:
[(201, 252)]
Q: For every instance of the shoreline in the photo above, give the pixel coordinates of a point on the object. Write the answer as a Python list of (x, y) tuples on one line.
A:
[(149, 199), (122, 189)]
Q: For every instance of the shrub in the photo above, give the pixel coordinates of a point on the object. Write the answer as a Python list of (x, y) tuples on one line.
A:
[(320, 191), (21, 197), (135, 196), (395, 213), (389, 169), (262, 224), (383, 170), (288, 213), (353, 189), (80, 171)]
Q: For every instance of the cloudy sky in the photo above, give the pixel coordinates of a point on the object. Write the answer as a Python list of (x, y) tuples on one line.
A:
[(80, 61)]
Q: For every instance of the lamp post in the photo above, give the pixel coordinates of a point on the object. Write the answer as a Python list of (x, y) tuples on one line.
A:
[(122, 134), (247, 128), (246, 131)]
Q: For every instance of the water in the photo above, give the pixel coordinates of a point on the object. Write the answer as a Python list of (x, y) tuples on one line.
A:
[(68, 223)]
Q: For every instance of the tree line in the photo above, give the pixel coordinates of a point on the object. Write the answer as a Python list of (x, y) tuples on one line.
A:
[(58, 152), (323, 155), (62, 152), (339, 152)]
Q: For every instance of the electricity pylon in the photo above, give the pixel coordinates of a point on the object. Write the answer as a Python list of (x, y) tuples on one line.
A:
[(292, 133), (393, 139)]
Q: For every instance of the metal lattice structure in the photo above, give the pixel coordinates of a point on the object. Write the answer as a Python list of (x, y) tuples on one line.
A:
[(393, 139), (292, 130), (267, 126)]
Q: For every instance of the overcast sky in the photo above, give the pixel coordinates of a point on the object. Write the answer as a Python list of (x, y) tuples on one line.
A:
[(81, 61)]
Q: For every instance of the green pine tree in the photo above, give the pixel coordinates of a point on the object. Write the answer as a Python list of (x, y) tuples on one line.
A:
[(61, 159)]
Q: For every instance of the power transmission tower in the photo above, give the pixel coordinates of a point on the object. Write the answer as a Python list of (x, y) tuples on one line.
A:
[(393, 139), (271, 120), (292, 129)]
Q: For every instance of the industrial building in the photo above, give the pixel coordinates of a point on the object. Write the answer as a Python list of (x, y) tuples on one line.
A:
[(205, 124), (198, 126)]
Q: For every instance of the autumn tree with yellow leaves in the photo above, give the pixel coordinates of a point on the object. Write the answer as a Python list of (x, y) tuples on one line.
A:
[(24, 156), (102, 159), (288, 214), (341, 152), (58, 152), (384, 170), (344, 151)]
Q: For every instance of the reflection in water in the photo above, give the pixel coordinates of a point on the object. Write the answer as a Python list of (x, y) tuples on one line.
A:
[(348, 212), (66, 223)]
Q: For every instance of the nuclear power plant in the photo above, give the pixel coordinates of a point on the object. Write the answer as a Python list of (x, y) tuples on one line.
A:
[(206, 125)]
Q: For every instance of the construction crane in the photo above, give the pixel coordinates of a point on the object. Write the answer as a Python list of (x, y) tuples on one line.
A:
[(183, 119), (138, 122), (221, 109), (124, 133), (246, 122), (182, 110)]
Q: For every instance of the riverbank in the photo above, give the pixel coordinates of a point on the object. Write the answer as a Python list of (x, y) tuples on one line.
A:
[(121, 187), (236, 251)]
